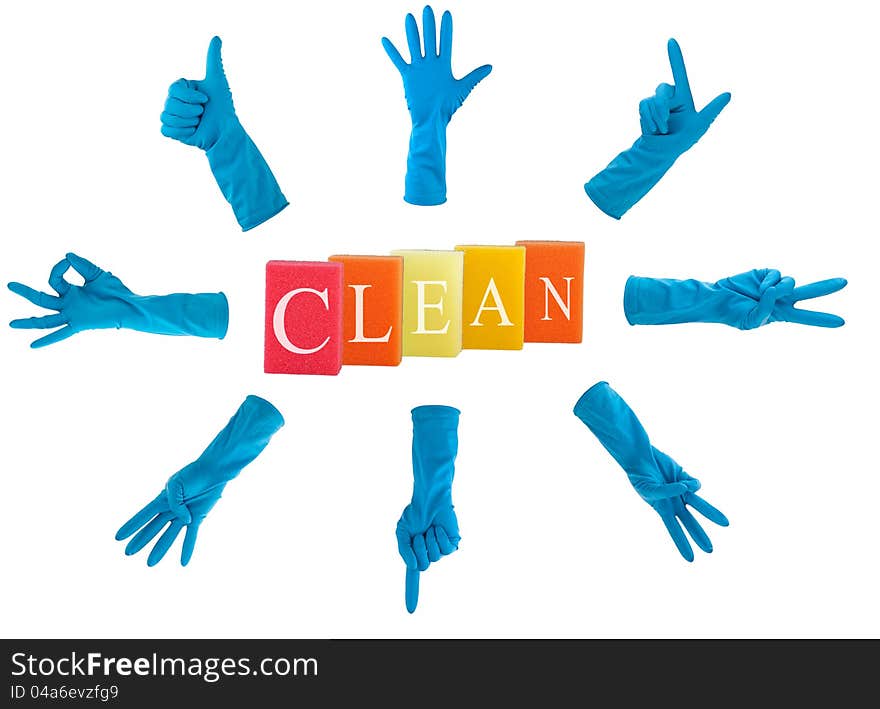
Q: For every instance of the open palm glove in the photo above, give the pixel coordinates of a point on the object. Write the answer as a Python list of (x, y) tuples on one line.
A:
[(433, 94)]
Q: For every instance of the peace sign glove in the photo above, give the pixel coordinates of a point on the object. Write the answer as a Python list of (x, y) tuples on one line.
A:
[(200, 113), (745, 301), (670, 126)]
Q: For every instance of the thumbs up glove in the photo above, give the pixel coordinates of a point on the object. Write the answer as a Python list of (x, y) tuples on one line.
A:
[(104, 301), (433, 94), (191, 493), (428, 528), (670, 126), (744, 301), (658, 479), (200, 113)]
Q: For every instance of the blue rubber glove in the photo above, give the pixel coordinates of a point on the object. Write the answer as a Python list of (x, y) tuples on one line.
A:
[(200, 113), (432, 96), (744, 301), (428, 528), (670, 126), (656, 477), (191, 493), (103, 301)]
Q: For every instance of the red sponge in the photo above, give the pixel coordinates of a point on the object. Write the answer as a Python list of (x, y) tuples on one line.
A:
[(303, 318)]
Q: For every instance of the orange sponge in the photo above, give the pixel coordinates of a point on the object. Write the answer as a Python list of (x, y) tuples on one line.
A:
[(554, 293), (372, 309), (303, 318)]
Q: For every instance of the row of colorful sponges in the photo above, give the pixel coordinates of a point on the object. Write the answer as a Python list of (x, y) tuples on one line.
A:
[(374, 310)]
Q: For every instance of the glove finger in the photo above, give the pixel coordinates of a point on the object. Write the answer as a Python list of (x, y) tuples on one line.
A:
[(432, 546), (404, 548), (760, 315), (646, 118), (653, 492), (146, 535), (446, 35), (53, 337), (147, 512), (665, 93), (812, 317), (447, 546), (659, 117), (675, 531), (189, 543), (411, 594), (698, 534), (182, 109), (429, 29), (713, 514), (56, 277), (178, 133), (394, 55), (818, 289), (42, 323), (173, 121), (679, 75), (771, 278), (84, 267), (412, 38), (181, 91), (714, 107), (421, 551), (44, 300), (165, 541), (214, 61)]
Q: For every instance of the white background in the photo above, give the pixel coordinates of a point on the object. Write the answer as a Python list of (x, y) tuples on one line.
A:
[(779, 423)]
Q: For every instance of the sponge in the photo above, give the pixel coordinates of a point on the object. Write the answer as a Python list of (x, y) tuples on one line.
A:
[(372, 309), (493, 300), (554, 291), (432, 283), (303, 318)]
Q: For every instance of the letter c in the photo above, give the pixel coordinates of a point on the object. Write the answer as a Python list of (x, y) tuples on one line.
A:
[(278, 321)]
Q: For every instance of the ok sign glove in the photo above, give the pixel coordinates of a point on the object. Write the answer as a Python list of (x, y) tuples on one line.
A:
[(658, 479), (428, 528), (200, 113), (433, 94), (191, 493), (744, 301), (103, 301), (670, 126)]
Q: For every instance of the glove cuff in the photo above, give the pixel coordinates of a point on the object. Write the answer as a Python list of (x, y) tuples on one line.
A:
[(585, 403), (435, 412), (631, 299)]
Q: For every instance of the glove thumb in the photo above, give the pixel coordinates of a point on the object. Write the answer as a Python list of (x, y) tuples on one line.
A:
[(714, 107), (174, 495), (214, 64), (468, 82)]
